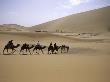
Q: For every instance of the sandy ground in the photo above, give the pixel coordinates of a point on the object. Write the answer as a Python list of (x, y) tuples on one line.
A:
[(87, 61)]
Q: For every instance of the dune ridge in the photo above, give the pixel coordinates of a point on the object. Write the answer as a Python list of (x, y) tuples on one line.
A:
[(91, 21)]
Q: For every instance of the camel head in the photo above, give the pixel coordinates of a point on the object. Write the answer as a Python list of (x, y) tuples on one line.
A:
[(31, 46), (59, 47), (17, 45), (44, 47)]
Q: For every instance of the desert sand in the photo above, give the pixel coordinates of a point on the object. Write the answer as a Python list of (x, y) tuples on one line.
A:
[(88, 59)]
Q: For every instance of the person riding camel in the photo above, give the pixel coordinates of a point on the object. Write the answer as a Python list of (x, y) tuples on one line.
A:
[(50, 44), (10, 43), (25, 44), (38, 43)]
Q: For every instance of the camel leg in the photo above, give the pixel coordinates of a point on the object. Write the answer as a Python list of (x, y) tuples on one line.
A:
[(57, 51), (20, 51), (67, 49), (33, 49), (52, 51), (26, 50), (48, 51), (3, 50), (7, 50), (13, 50), (61, 50), (36, 51), (29, 51), (42, 51)]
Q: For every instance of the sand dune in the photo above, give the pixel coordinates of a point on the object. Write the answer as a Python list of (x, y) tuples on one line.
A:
[(12, 28), (91, 21)]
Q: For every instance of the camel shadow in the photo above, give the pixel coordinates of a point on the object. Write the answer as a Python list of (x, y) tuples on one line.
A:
[(8, 54), (24, 54)]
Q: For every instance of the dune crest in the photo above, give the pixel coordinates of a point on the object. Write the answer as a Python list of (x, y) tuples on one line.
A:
[(91, 21)]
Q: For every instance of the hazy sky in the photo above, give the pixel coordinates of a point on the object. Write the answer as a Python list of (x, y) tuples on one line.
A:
[(33, 12)]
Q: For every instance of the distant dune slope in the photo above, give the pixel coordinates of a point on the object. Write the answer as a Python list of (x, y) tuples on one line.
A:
[(97, 20), (12, 27)]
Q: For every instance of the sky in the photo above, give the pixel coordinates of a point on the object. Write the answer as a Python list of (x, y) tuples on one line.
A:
[(32, 12)]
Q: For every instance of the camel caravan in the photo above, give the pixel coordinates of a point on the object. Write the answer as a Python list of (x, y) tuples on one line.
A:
[(52, 49)]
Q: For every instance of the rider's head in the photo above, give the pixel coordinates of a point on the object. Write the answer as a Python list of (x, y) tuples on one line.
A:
[(51, 43), (11, 40)]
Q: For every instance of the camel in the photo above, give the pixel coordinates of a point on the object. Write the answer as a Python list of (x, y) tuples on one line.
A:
[(39, 47), (52, 49), (63, 47), (56, 49), (10, 47), (26, 47)]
